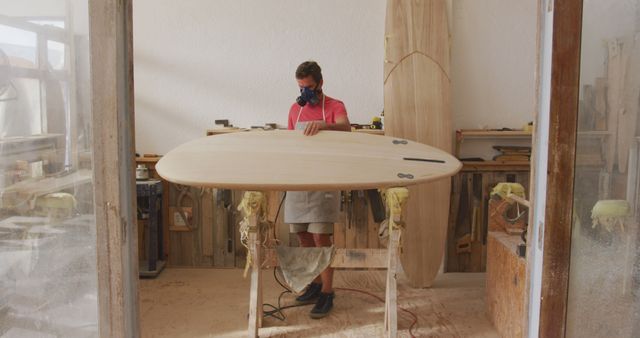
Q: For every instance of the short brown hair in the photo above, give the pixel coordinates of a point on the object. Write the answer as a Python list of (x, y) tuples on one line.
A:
[(309, 68)]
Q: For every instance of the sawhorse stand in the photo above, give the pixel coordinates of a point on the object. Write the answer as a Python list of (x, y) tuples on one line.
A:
[(253, 205)]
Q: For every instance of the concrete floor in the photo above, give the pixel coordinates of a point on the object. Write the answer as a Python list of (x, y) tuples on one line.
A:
[(214, 303)]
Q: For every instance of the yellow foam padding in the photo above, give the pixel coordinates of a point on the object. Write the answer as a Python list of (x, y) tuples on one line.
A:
[(610, 208), (505, 188), (58, 200)]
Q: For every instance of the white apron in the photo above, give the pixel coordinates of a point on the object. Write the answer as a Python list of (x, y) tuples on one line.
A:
[(311, 206)]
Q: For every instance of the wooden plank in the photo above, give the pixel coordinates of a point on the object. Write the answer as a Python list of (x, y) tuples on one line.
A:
[(346, 258), (220, 231), (417, 107), (231, 233), (600, 104), (451, 257), (565, 73), (622, 114), (360, 218), (350, 233), (112, 109), (495, 166), (480, 192), (372, 228), (236, 216), (207, 223), (339, 228), (519, 199), (391, 300), (255, 295)]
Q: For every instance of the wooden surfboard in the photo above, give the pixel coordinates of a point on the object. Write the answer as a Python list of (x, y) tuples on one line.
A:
[(288, 160), (417, 107)]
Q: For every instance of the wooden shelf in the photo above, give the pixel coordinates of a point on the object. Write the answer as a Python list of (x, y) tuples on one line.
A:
[(219, 131), (463, 133), (495, 166)]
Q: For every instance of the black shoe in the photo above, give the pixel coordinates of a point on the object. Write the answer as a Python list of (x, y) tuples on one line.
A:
[(310, 294), (323, 305)]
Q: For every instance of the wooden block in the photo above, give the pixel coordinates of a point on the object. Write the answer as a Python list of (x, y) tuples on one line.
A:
[(505, 284), (498, 208)]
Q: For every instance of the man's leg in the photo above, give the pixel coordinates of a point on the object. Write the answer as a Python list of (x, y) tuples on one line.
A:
[(322, 240), (306, 240), (325, 302)]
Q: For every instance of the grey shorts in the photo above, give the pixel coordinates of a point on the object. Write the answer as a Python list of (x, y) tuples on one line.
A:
[(314, 228)]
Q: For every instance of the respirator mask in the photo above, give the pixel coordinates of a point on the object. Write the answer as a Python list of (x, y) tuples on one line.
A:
[(308, 95)]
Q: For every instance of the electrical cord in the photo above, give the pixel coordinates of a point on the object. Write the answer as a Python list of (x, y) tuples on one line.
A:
[(276, 311)]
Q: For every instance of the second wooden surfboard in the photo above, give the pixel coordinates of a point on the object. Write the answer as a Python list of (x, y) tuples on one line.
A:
[(417, 107)]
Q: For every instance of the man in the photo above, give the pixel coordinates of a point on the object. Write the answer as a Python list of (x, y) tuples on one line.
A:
[(312, 214)]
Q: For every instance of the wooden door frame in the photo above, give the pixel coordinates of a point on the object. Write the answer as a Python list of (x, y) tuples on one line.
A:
[(563, 117), (111, 46)]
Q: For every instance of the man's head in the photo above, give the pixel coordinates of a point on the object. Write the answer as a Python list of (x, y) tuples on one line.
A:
[(309, 75)]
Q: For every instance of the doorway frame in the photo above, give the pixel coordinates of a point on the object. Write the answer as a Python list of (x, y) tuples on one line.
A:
[(113, 145), (549, 251), (112, 109)]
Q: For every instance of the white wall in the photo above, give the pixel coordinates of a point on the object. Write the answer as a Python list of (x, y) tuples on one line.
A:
[(199, 60), (493, 64)]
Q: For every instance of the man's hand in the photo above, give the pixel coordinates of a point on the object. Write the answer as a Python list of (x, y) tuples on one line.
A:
[(314, 127)]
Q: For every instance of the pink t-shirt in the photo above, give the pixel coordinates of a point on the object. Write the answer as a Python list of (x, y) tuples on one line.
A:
[(332, 109)]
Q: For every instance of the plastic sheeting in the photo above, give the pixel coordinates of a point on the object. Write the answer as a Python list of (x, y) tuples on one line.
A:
[(48, 278)]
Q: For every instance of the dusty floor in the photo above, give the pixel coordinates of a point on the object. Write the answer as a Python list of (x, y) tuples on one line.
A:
[(214, 303)]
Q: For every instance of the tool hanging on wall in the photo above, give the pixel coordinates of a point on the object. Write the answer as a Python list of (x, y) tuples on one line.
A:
[(184, 192), (377, 206)]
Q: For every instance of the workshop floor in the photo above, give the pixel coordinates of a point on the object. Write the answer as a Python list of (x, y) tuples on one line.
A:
[(214, 303)]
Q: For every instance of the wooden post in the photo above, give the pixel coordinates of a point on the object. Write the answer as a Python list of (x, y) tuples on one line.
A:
[(395, 198), (113, 159), (563, 118), (391, 301), (253, 206)]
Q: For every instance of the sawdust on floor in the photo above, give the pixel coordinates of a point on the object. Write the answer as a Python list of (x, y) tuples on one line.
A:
[(214, 303)]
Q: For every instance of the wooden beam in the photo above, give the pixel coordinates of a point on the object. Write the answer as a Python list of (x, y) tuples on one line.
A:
[(345, 258), (113, 156), (565, 80)]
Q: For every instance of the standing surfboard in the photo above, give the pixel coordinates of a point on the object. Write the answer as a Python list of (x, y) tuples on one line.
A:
[(417, 107)]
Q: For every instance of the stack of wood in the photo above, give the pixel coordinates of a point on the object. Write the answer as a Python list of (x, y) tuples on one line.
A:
[(512, 154)]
